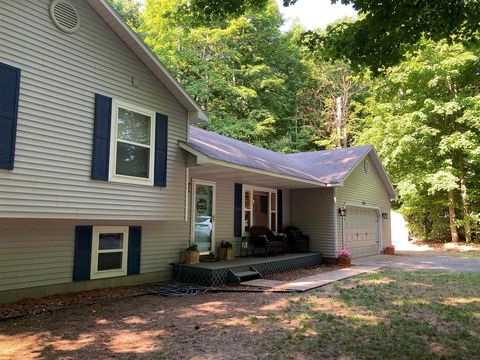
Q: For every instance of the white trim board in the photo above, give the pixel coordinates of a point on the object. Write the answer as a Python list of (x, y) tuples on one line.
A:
[(214, 208)]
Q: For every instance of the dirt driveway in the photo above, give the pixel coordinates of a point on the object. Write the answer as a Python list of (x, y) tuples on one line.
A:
[(426, 260)]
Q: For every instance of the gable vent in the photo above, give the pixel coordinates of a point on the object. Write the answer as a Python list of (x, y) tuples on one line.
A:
[(64, 16)]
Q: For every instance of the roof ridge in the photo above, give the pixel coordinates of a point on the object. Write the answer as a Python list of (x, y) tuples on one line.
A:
[(324, 151)]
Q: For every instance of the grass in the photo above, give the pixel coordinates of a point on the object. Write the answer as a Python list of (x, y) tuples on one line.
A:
[(388, 314), (467, 255)]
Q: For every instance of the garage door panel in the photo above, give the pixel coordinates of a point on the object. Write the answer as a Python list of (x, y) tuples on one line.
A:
[(361, 231)]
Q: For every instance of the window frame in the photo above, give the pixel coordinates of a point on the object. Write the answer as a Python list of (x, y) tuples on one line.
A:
[(112, 173), (252, 189), (97, 230)]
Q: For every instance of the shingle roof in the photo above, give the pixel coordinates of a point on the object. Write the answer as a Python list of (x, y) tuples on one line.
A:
[(329, 167)]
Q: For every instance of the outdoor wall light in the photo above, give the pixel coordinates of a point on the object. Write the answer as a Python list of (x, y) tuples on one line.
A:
[(342, 211), (384, 215)]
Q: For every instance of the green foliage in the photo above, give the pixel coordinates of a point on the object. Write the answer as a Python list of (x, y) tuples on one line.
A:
[(386, 30), (423, 120), (129, 10), (378, 39), (245, 74), (268, 88)]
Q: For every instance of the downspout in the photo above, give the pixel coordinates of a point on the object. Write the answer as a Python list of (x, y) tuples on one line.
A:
[(335, 220)]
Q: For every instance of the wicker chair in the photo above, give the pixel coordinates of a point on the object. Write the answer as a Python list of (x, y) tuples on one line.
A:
[(263, 237), (296, 239)]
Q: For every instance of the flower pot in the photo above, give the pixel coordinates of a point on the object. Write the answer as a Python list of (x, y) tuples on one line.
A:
[(344, 260), (389, 251), (225, 253), (189, 257)]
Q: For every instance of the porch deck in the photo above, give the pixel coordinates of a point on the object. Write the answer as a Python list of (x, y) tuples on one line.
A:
[(221, 272)]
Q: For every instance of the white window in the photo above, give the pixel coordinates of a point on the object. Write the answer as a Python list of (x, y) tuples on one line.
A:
[(132, 144), (109, 251), (252, 208)]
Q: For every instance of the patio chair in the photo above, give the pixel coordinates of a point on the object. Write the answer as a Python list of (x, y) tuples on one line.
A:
[(263, 237), (296, 239)]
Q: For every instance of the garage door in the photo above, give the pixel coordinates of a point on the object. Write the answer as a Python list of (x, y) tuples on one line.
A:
[(361, 231)]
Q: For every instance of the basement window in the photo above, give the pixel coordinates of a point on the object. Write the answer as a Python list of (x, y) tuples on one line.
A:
[(109, 251)]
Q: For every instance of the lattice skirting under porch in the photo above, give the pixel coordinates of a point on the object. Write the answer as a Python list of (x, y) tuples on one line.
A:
[(219, 275)]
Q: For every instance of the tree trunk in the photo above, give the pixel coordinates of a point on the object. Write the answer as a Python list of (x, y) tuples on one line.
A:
[(453, 221), (338, 121), (465, 205)]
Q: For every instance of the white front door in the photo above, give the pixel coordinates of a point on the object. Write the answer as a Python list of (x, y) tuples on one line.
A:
[(203, 215)]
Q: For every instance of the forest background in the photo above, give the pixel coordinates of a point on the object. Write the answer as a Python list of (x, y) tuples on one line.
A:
[(403, 76)]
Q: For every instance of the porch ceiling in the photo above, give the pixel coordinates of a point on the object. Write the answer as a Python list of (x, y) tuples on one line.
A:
[(250, 177)]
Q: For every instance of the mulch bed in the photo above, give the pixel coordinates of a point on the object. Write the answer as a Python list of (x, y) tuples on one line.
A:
[(61, 301), (56, 302)]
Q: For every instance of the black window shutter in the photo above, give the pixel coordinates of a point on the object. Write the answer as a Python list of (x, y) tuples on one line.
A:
[(101, 137), (279, 211), (83, 253), (161, 145), (237, 220), (134, 247), (9, 93)]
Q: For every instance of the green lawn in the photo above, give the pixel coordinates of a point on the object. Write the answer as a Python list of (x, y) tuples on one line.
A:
[(389, 314)]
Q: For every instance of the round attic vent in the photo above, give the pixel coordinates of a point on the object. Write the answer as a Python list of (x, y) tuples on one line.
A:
[(64, 16)]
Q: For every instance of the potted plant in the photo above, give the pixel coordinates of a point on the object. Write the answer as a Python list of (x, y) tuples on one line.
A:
[(225, 251), (389, 250), (344, 258), (190, 255)]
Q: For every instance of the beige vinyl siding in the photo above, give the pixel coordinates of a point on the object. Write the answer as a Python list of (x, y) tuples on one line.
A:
[(362, 188), (312, 210), (40, 252), (60, 75)]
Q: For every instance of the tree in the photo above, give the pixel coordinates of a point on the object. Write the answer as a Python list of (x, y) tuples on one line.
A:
[(129, 11), (424, 121), (385, 30), (245, 73), (328, 102), (378, 39)]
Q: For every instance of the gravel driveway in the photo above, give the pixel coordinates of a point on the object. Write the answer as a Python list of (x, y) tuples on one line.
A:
[(425, 260)]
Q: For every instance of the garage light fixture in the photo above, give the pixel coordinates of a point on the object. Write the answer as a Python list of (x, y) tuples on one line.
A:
[(384, 215), (342, 211)]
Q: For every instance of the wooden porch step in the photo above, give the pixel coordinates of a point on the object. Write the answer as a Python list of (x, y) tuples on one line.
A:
[(240, 275), (248, 274)]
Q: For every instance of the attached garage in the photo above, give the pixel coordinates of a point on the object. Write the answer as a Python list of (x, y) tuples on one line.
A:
[(362, 231), (365, 194)]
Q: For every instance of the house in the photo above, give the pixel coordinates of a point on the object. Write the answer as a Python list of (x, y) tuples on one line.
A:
[(310, 190), (104, 178)]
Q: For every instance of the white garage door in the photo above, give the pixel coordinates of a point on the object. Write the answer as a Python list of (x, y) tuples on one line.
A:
[(361, 231)]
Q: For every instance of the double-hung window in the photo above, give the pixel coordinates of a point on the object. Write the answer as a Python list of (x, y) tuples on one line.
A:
[(132, 144), (109, 251)]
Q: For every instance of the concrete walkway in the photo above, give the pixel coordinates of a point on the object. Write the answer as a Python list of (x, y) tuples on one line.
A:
[(424, 260), (313, 281)]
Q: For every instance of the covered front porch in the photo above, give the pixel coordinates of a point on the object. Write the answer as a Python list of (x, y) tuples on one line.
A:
[(234, 187)]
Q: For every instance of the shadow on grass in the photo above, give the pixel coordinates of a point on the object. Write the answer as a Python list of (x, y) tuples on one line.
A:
[(392, 315), (388, 314)]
